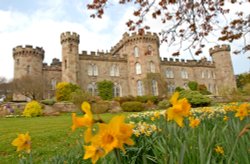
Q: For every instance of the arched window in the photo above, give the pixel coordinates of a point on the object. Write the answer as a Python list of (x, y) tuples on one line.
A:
[(65, 64), (184, 74), (152, 67), (92, 70), (138, 68), (117, 90), (140, 90), (169, 73), (114, 71), (203, 74), (171, 87), (92, 89), (28, 69), (136, 51), (155, 88), (53, 84), (150, 49)]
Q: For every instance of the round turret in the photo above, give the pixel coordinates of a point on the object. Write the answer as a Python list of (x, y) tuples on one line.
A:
[(28, 61), (70, 57)]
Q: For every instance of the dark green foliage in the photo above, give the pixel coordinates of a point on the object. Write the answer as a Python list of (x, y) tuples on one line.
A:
[(178, 89), (193, 85), (195, 98), (105, 89), (121, 100), (146, 98), (164, 104), (242, 80), (132, 106), (48, 102)]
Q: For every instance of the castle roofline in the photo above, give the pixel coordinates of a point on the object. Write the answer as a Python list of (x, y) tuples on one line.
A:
[(28, 50)]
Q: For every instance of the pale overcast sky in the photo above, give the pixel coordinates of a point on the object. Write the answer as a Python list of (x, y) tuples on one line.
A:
[(40, 23)]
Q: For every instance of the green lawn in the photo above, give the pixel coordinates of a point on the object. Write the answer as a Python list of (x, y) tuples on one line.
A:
[(49, 135)]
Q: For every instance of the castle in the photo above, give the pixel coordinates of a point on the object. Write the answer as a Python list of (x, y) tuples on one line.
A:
[(134, 66)]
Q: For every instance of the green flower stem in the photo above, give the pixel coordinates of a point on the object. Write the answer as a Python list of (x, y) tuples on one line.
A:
[(118, 157)]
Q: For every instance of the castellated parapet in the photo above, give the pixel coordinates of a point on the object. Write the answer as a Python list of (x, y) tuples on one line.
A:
[(56, 65), (218, 48), (188, 63), (69, 37), (128, 38), (28, 50)]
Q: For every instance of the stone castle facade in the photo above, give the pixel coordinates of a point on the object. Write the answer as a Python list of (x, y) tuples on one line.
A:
[(134, 66)]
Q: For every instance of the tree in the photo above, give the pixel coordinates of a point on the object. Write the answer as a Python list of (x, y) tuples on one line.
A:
[(189, 21), (242, 80), (31, 87), (64, 91)]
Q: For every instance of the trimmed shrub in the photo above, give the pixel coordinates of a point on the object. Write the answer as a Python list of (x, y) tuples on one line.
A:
[(195, 98), (48, 102), (132, 106), (203, 89), (64, 90), (146, 98), (32, 109), (193, 85), (178, 89), (164, 104), (121, 100), (105, 89)]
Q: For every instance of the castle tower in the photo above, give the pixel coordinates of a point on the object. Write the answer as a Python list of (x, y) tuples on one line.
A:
[(70, 57), (224, 73), (28, 61), (142, 59)]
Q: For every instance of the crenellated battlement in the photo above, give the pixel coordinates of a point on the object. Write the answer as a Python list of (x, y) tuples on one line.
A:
[(101, 55), (55, 65), (187, 63), (148, 36), (70, 37), (219, 48), (28, 50)]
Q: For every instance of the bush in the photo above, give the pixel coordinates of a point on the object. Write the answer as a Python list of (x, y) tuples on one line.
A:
[(146, 98), (64, 90), (32, 109), (100, 107), (178, 89), (203, 89), (105, 89), (132, 106), (164, 104), (193, 85), (48, 102), (195, 98), (79, 96), (121, 100)]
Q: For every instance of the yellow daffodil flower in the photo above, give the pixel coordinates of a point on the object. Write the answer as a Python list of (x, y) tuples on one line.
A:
[(219, 150), (93, 152), (179, 110), (194, 122), (242, 111), (22, 142), (225, 118)]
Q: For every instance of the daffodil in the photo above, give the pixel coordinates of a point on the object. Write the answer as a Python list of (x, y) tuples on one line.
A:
[(93, 152), (194, 122), (219, 150), (225, 118), (242, 111), (179, 110), (22, 142)]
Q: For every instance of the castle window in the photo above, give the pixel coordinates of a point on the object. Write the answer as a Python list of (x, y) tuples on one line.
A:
[(117, 90), (214, 75), (136, 52), (92, 89), (114, 71), (17, 61), (70, 48), (202, 74), (152, 67), (210, 88), (53, 84), (184, 74), (169, 73), (140, 90), (65, 64), (171, 88), (138, 68), (208, 74), (28, 69), (185, 86), (154, 88), (92, 70)]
